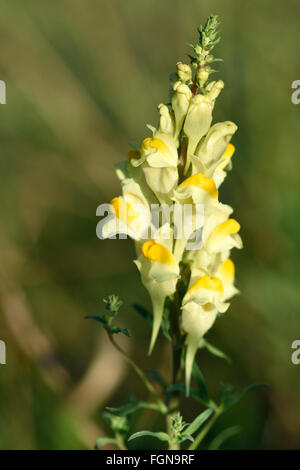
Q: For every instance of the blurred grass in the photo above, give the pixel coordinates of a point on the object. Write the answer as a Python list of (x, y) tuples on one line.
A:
[(82, 79)]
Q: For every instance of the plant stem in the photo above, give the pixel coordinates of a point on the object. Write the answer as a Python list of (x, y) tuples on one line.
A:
[(206, 428), (120, 441), (174, 405), (177, 345), (182, 160), (141, 374)]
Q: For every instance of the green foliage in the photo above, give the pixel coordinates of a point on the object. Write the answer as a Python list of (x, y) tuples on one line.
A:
[(223, 436), (118, 423), (202, 391), (179, 433), (214, 350), (229, 397), (199, 420), (162, 436), (112, 305), (208, 39)]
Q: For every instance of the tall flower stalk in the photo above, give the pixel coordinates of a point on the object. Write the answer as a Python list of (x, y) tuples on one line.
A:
[(181, 164)]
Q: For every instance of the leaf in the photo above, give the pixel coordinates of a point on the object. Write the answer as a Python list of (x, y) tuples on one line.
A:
[(98, 318), (162, 436), (201, 385), (143, 312), (156, 377), (201, 418), (117, 423), (186, 437), (223, 436), (105, 320), (102, 441), (165, 327), (193, 393), (131, 408), (216, 351), (230, 398)]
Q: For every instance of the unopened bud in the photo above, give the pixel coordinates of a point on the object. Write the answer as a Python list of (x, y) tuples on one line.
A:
[(166, 122), (214, 89), (184, 72), (180, 104), (202, 75), (197, 122), (215, 143), (198, 49)]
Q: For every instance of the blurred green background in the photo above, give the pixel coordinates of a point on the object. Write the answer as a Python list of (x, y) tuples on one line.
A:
[(83, 79)]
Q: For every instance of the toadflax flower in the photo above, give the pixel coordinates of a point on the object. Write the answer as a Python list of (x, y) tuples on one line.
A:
[(180, 166), (159, 272)]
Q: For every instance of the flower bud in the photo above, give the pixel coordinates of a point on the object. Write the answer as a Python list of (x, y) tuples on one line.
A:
[(215, 143), (180, 104), (166, 122), (202, 75), (184, 72), (214, 89), (197, 122)]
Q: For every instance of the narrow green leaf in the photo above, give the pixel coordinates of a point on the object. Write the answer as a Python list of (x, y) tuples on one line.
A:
[(162, 436), (224, 436), (131, 408), (201, 385), (216, 351), (155, 375), (186, 437), (230, 398), (99, 318), (165, 328), (201, 418), (193, 394), (143, 312), (126, 332)]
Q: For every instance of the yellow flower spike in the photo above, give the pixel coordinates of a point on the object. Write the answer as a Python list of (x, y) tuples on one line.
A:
[(203, 182), (156, 252), (207, 282), (123, 210), (230, 149)]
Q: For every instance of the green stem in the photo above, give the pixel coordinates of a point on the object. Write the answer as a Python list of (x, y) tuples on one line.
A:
[(120, 441), (174, 404), (140, 373), (206, 429)]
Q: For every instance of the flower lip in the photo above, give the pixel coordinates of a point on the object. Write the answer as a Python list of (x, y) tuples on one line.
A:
[(229, 151), (123, 209), (202, 182), (157, 252), (154, 143), (208, 283), (227, 271), (228, 227)]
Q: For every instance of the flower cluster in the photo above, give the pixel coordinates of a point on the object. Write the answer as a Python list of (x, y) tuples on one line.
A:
[(184, 161)]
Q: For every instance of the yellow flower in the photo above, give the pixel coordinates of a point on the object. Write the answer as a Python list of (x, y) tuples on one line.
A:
[(159, 273), (200, 306)]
